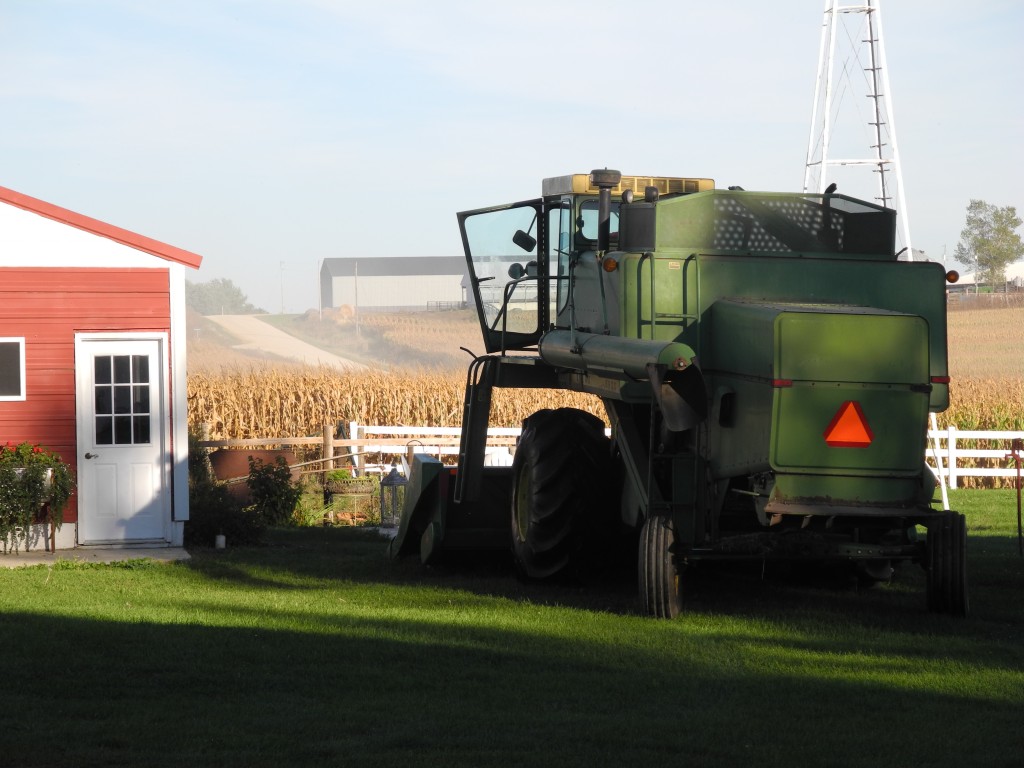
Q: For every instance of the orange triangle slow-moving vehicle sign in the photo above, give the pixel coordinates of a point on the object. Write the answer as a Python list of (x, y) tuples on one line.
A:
[(849, 428)]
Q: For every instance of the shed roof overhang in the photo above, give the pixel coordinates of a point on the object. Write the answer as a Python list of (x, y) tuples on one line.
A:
[(97, 227)]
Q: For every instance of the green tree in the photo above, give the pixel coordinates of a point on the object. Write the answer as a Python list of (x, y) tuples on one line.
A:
[(218, 297), (989, 241)]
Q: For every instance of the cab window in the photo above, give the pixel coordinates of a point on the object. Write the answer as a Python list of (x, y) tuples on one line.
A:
[(586, 224), (560, 229)]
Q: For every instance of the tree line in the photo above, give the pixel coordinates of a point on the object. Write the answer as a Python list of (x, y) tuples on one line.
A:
[(218, 297), (989, 241)]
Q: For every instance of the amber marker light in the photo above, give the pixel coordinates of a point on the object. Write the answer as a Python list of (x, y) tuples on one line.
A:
[(952, 276), (610, 264)]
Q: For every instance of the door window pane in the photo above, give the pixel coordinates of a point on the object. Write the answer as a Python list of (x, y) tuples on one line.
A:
[(140, 399), (104, 430), (140, 369), (123, 430), (141, 429), (122, 399), (122, 369), (101, 365), (103, 402)]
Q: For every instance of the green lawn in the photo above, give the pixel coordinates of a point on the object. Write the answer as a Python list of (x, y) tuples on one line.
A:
[(314, 650)]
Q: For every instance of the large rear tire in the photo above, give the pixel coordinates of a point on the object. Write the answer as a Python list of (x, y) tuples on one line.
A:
[(947, 565), (562, 506), (660, 578)]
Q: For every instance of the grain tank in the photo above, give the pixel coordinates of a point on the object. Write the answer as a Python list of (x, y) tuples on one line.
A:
[(767, 366)]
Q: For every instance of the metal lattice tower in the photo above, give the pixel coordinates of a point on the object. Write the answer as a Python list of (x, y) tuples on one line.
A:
[(842, 121), (863, 73)]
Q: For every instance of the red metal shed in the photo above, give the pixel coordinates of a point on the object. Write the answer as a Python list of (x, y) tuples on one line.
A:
[(92, 337)]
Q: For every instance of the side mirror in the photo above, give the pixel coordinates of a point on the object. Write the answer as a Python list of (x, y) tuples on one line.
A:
[(524, 240), (517, 270)]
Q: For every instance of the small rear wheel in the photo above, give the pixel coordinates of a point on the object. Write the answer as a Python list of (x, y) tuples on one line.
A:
[(947, 565), (660, 578)]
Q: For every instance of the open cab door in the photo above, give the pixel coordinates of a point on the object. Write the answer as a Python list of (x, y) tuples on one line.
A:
[(506, 251)]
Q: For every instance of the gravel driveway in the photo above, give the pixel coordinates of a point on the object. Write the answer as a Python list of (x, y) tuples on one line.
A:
[(253, 333)]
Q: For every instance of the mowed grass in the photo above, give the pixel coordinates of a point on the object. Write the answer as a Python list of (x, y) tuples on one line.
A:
[(315, 650)]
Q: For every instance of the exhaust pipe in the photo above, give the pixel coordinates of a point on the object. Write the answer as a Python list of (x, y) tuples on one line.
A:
[(604, 180)]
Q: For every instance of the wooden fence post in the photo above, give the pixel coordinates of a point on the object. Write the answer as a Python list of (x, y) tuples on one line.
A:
[(204, 435), (328, 456)]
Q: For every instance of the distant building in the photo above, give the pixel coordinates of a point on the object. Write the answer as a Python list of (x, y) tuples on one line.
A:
[(394, 283), (968, 282)]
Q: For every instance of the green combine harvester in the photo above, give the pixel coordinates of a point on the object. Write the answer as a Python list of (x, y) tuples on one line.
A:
[(767, 365)]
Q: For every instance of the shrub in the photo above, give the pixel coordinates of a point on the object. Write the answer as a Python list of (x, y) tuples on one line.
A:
[(274, 496), (337, 474), (198, 461), (213, 510), (35, 485)]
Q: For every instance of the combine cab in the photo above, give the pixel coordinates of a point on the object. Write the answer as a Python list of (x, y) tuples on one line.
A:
[(767, 366)]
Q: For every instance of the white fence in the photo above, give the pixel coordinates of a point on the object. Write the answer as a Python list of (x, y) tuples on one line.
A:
[(444, 441), (951, 454), (372, 448), (367, 442)]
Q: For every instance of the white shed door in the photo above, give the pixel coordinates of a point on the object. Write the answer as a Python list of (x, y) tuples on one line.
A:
[(122, 491)]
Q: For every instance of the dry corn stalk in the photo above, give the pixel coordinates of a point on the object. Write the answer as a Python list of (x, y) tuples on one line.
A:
[(269, 402)]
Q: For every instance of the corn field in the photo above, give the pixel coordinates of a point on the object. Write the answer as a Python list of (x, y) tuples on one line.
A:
[(985, 404), (279, 402), (987, 388), (269, 402), (986, 393)]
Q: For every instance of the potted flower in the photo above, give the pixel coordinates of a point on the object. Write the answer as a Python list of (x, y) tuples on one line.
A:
[(35, 485)]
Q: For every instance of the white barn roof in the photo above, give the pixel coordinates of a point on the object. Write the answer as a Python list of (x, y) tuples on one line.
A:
[(393, 266)]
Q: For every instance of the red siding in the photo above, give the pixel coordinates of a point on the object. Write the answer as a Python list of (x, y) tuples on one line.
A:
[(48, 307)]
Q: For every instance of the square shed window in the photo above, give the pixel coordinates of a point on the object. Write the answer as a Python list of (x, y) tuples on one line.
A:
[(12, 368)]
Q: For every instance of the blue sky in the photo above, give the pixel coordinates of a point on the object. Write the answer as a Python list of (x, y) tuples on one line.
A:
[(262, 133)]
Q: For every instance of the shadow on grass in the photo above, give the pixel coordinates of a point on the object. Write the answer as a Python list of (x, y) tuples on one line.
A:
[(305, 558), (316, 650), (359, 690), (310, 558)]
